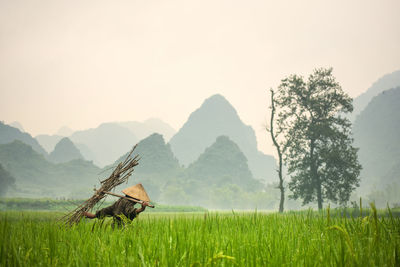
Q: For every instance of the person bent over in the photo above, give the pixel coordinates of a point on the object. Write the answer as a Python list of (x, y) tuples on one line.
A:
[(121, 207), (124, 206)]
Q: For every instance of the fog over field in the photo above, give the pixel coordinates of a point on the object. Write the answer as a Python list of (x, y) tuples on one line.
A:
[(189, 81), (79, 65)]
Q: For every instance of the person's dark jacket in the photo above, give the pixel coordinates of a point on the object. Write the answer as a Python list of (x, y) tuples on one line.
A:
[(120, 207)]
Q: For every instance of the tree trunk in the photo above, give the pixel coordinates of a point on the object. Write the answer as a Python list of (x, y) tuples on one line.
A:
[(278, 149), (314, 174), (282, 201), (281, 187), (319, 195)]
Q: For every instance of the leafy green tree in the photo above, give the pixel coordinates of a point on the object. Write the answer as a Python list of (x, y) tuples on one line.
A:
[(320, 157)]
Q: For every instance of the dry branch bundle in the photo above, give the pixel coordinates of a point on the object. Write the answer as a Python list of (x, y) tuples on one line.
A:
[(120, 175)]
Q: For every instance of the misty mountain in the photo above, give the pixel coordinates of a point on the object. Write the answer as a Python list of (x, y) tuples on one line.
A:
[(64, 131), (6, 180), (107, 142), (376, 133), (214, 118), (219, 178), (35, 176), (387, 82), (157, 165), (9, 134), (65, 151), (222, 164), (140, 130), (144, 129), (17, 125), (86, 152), (48, 142), (155, 156)]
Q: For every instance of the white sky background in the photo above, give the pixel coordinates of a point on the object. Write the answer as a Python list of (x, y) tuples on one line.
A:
[(81, 63)]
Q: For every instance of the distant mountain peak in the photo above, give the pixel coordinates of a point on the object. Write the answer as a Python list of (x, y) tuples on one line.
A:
[(217, 101), (48, 142), (386, 82), (222, 163), (64, 131), (216, 98), (154, 138), (376, 134), (106, 142), (64, 142), (154, 120), (65, 151), (217, 113), (37, 177), (222, 144), (144, 129), (156, 158), (8, 134), (214, 118)]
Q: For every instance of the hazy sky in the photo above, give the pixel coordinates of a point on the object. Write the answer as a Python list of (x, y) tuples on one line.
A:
[(81, 63)]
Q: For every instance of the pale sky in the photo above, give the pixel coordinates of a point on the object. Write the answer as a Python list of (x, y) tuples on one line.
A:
[(81, 63)]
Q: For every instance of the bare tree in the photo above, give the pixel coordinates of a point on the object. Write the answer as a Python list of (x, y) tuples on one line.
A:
[(280, 150)]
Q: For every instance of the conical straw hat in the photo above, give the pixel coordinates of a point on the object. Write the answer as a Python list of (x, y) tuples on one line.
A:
[(137, 191)]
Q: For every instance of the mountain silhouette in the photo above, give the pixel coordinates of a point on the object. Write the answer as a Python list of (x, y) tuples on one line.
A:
[(9, 134), (65, 131), (222, 164), (65, 151), (37, 177), (106, 142), (219, 178), (214, 118), (386, 82), (143, 129), (48, 142), (376, 133), (157, 164), (17, 125)]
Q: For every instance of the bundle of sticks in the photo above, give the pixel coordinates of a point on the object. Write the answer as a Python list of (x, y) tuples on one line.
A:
[(120, 175)]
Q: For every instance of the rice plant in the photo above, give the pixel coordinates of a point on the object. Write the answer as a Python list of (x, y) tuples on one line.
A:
[(306, 238)]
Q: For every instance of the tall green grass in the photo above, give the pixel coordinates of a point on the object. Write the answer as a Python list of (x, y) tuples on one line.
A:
[(203, 239)]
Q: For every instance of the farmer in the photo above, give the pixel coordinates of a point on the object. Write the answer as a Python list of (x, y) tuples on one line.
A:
[(124, 206)]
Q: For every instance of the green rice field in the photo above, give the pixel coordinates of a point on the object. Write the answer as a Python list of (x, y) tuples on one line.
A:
[(307, 238)]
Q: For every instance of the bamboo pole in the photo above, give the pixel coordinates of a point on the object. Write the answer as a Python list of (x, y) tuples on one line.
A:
[(129, 198)]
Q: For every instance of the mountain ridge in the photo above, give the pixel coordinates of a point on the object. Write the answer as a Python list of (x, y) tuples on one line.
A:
[(144, 129), (36, 176), (65, 151), (107, 142), (376, 132), (386, 82), (216, 117), (9, 134)]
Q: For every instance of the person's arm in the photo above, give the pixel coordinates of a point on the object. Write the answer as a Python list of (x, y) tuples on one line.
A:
[(101, 213), (89, 215), (144, 205)]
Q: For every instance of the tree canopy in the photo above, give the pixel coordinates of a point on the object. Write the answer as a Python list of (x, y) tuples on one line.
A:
[(320, 157)]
